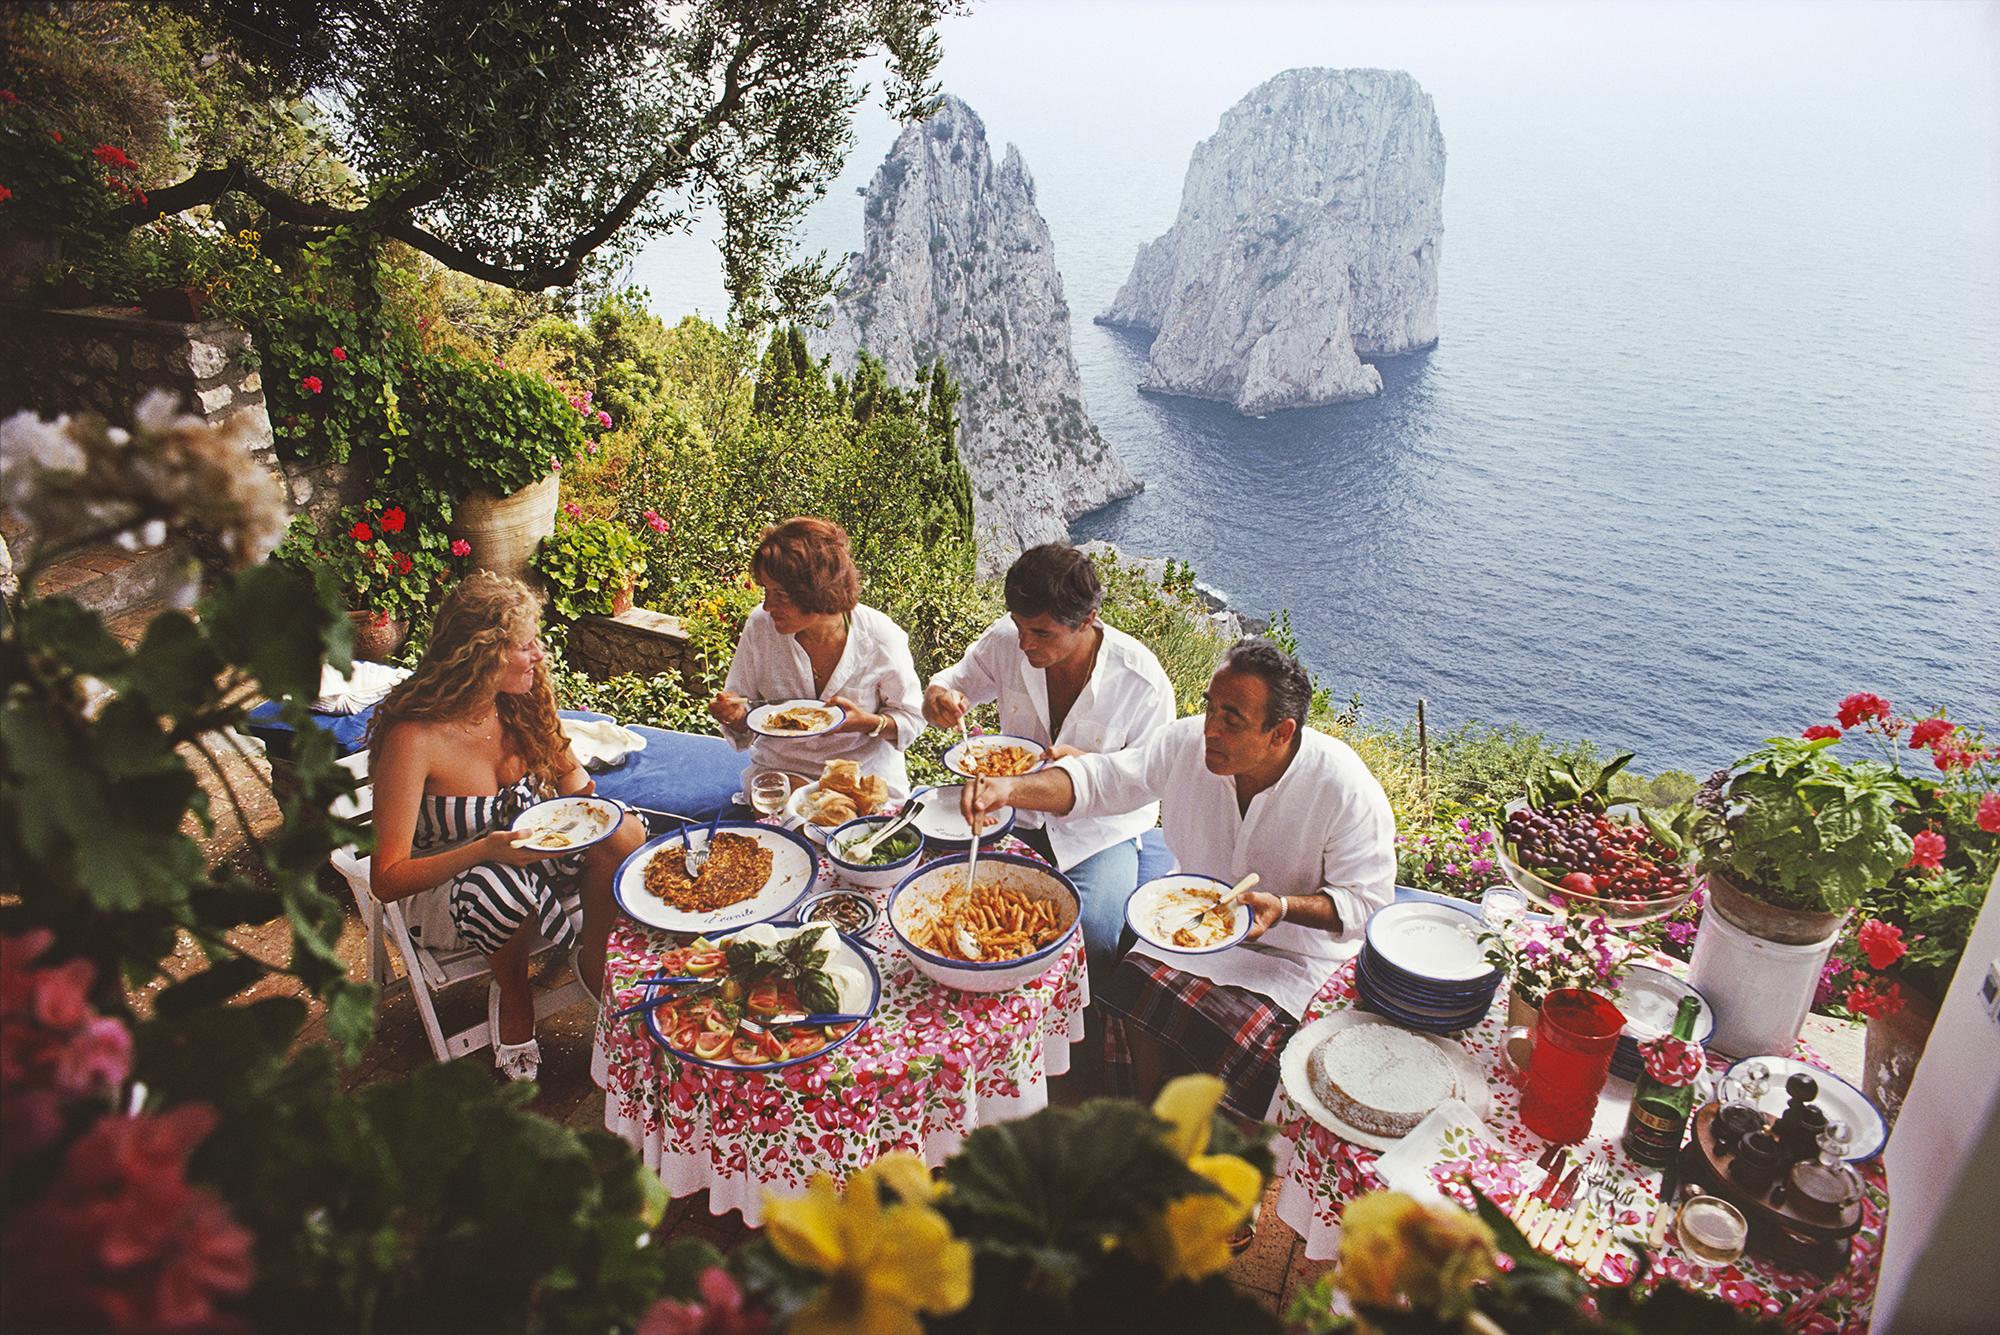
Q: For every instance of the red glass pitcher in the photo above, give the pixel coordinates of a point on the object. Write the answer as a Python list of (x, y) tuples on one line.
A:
[(1566, 1069)]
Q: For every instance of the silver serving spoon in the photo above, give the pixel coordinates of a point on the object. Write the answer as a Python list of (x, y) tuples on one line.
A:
[(862, 850), (968, 945)]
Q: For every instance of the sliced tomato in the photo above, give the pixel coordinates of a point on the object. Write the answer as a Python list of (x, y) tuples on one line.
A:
[(804, 1042), (705, 961), (685, 1038), (673, 962), (718, 1023), (746, 1049), (774, 1047), (710, 1046), (840, 1030), (762, 999)]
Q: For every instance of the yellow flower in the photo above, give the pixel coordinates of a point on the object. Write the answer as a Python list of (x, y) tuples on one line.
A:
[(883, 1263), (1394, 1250), (1190, 1238)]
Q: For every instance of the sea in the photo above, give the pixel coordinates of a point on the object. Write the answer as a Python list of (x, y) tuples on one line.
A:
[(1711, 434)]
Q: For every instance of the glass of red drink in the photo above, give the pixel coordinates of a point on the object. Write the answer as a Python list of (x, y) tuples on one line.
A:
[(1567, 1066)]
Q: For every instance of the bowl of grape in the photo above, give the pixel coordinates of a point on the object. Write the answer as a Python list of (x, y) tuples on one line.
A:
[(1569, 848)]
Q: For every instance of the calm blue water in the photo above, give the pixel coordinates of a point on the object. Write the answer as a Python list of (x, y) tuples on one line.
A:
[(1712, 434)]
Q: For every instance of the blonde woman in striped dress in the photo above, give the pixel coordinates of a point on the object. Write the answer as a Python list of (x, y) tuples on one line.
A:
[(457, 752)]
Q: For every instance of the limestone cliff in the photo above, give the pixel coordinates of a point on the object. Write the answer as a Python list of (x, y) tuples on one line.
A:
[(956, 264), (1307, 238)]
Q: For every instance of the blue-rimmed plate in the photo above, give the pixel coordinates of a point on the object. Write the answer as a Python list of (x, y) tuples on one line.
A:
[(567, 824), (795, 718), (1649, 997), (1374, 984), (1838, 1099), (847, 954), (1158, 905), (1429, 940), (995, 755), (943, 824), (794, 869)]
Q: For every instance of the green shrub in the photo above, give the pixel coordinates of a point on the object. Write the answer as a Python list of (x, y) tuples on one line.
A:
[(474, 425), (586, 562)]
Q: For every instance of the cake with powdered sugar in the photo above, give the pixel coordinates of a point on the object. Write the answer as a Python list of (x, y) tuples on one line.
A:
[(1380, 1079)]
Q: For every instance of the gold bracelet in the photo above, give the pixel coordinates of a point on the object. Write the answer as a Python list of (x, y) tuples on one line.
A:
[(882, 723)]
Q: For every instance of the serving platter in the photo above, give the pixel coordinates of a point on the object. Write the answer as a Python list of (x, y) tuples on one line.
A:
[(844, 953), (1471, 1081), (794, 870), (959, 759), (759, 719), (1143, 912), (567, 824)]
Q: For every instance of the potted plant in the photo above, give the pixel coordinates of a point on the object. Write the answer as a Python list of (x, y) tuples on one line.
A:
[(188, 270), (388, 569), (590, 566), (1904, 942), (489, 443), (1542, 955), (1787, 841)]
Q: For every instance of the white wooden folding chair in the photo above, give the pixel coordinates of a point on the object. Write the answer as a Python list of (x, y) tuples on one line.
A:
[(427, 971)]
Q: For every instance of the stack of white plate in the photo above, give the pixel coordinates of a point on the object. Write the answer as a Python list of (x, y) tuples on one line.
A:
[(1422, 966)]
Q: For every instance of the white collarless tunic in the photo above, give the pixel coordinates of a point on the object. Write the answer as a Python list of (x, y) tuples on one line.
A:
[(1324, 827), (1126, 700)]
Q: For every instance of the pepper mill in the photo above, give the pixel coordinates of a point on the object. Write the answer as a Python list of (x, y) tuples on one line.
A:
[(1802, 1089), (1740, 1114)]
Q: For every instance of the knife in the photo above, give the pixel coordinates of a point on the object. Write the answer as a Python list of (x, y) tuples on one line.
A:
[(1567, 1191), (1549, 1184)]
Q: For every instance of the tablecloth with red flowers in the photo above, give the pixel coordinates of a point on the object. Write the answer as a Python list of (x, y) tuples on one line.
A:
[(934, 1064), (1319, 1173)]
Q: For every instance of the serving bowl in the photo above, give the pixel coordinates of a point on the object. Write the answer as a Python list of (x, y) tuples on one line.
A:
[(871, 875), (1617, 912), (923, 894), (943, 825), (845, 951), (850, 911)]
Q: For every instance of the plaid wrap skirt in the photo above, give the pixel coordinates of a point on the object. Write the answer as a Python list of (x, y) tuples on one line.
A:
[(1225, 1031)]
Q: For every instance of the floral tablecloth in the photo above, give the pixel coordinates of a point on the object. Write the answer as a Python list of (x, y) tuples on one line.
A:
[(932, 1066), (1319, 1173)]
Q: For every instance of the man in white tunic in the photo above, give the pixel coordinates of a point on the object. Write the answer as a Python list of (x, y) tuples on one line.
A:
[(1247, 787), (1066, 680)]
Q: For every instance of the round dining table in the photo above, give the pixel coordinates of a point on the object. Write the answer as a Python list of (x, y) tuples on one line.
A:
[(1319, 1172), (932, 1065)]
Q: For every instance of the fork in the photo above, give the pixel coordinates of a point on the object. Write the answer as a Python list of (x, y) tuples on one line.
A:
[(694, 859), (968, 946)]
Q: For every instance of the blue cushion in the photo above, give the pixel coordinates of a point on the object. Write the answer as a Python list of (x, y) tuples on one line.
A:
[(350, 731), (679, 772)]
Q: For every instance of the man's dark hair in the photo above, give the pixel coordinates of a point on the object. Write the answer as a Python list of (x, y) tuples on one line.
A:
[(1054, 579), (1288, 687)]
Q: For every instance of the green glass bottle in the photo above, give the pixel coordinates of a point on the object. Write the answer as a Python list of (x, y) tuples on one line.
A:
[(1660, 1111)]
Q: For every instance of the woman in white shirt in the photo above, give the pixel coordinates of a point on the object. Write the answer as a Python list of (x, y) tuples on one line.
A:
[(1064, 679), (812, 640)]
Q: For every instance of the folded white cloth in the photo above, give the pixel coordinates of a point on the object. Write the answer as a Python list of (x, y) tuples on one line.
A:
[(600, 743), (364, 686)]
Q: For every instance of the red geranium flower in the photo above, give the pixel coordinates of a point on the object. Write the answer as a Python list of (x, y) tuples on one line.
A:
[(460, 547), (1927, 850), (339, 354), (1859, 706), (1819, 730), (403, 563), (112, 156), (1949, 758), (1882, 942), (5, 194), (1864, 1000), (312, 384), (361, 533), (392, 519), (1989, 813), (1929, 732), (8, 97), (56, 135)]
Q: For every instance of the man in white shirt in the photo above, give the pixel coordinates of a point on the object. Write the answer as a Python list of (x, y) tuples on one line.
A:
[(1063, 678), (1246, 787)]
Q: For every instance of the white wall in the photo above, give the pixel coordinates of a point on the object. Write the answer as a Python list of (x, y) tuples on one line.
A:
[(1938, 1268)]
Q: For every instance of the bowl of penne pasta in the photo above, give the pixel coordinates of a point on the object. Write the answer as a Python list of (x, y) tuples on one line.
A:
[(992, 936)]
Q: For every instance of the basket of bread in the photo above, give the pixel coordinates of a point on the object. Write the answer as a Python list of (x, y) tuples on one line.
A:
[(841, 793)]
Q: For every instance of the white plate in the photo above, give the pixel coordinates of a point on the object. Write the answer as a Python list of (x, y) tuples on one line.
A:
[(942, 821), (834, 715), (1472, 1089), (795, 812), (1838, 1099), (1142, 912), (567, 824), (794, 869), (1429, 940), (956, 760)]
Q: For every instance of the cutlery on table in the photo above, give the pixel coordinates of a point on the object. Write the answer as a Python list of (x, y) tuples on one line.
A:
[(1567, 1191), (1229, 897), (694, 859), (1555, 1162), (968, 945), (776, 1021), (863, 849), (665, 997)]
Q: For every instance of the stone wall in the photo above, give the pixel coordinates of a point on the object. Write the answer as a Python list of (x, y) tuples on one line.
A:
[(638, 641), (103, 359)]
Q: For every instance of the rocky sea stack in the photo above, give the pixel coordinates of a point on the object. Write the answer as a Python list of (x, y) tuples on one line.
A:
[(1307, 239), (956, 264)]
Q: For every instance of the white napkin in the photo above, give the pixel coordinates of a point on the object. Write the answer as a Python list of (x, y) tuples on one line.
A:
[(364, 686), (1444, 1135), (600, 743)]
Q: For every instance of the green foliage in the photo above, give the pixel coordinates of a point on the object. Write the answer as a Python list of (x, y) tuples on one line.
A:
[(586, 562), (382, 558), (1795, 826), (473, 425), (1169, 618)]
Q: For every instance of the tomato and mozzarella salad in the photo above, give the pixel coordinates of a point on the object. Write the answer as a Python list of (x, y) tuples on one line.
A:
[(750, 977)]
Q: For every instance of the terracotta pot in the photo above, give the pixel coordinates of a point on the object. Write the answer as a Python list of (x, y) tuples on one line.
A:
[(621, 601), (184, 304), (505, 530), (1894, 1046), (1768, 922), (376, 636)]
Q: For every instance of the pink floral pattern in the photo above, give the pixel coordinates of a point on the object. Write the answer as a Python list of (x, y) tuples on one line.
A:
[(1319, 1173), (932, 1066)]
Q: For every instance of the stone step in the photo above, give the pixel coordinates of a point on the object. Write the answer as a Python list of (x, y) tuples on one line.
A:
[(120, 586)]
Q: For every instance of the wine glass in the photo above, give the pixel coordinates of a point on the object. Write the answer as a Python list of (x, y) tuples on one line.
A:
[(1712, 1232), (769, 791)]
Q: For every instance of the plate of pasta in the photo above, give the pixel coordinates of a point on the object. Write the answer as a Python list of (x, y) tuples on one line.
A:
[(795, 718), (994, 755), (1004, 930), (754, 873)]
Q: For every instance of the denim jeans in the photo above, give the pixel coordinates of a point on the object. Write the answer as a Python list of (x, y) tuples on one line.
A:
[(1105, 880)]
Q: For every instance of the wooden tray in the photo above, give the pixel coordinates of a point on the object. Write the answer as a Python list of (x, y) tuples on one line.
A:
[(1807, 1239)]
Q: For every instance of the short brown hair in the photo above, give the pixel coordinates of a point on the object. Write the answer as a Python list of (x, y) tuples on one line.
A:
[(809, 560), (1054, 579)]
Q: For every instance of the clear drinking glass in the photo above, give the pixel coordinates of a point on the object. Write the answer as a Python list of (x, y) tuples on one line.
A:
[(1712, 1231), (1501, 905), (769, 791)]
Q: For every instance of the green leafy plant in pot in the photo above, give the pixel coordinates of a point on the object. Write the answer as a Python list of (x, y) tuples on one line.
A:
[(1787, 841), (590, 566)]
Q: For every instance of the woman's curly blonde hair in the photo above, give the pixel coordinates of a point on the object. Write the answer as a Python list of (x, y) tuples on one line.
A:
[(476, 623)]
